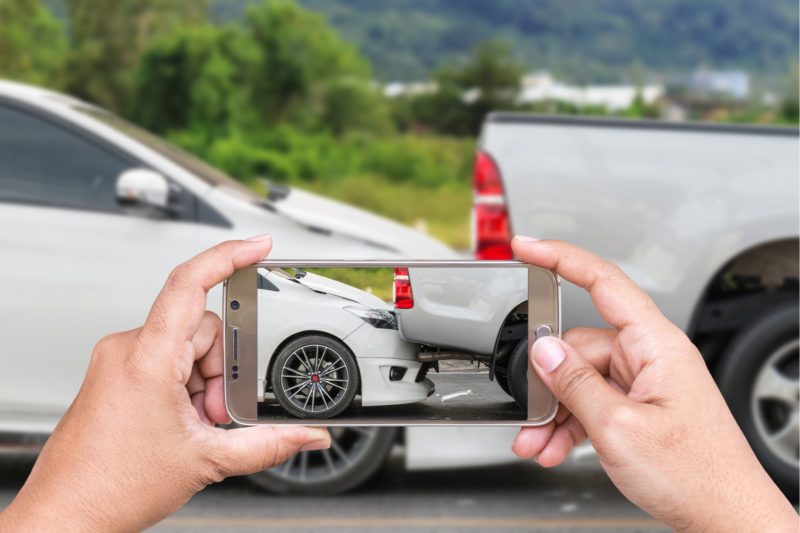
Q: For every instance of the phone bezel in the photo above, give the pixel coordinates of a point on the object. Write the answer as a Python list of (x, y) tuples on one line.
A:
[(242, 405)]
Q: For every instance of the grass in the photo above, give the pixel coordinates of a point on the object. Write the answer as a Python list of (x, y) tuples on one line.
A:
[(377, 281)]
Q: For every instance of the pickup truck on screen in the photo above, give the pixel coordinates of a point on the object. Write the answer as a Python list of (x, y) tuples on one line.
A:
[(704, 217)]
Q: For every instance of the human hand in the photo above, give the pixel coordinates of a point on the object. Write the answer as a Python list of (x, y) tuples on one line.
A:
[(643, 395), (140, 438)]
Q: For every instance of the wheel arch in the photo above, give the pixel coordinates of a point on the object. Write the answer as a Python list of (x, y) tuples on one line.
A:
[(749, 283), (506, 321)]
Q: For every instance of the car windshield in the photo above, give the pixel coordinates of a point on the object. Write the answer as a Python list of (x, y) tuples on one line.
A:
[(193, 164)]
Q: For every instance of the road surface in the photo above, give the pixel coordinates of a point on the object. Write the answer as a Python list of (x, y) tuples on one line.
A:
[(512, 498), (459, 395)]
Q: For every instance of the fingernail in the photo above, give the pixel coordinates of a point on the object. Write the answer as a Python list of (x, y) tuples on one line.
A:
[(260, 238), (548, 353), (321, 444), (525, 238)]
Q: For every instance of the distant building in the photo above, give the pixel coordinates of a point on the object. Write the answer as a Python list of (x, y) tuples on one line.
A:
[(542, 87), (395, 89), (733, 83)]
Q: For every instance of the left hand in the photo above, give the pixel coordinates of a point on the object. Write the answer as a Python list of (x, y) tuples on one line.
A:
[(140, 438)]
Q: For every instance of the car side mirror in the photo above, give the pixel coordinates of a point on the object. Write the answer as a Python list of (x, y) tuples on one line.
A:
[(142, 187)]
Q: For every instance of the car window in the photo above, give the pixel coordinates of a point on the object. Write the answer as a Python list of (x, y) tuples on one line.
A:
[(42, 162), (196, 166)]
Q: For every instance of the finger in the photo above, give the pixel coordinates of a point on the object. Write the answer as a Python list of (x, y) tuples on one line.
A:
[(214, 404), (557, 449), (253, 449), (562, 413), (594, 344), (575, 382), (618, 299), (531, 441), (198, 401), (208, 331), (566, 436), (209, 338), (196, 382), (179, 307)]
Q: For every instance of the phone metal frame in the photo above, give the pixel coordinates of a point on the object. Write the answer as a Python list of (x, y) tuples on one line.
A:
[(544, 290)]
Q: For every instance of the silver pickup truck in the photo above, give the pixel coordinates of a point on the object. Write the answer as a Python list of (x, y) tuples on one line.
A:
[(704, 217)]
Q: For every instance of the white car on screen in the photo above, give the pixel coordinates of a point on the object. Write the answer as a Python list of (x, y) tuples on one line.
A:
[(475, 314), (322, 342)]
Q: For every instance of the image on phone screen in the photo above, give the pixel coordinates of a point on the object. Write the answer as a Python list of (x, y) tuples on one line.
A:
[(391, 344)]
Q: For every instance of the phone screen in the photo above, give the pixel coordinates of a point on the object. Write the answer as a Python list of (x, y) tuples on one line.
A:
[(387, 344)]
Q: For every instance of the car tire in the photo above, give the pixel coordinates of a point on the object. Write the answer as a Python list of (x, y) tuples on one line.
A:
[(314, 376), (501, 377), (356, 454), (758, 376), (518, 373)]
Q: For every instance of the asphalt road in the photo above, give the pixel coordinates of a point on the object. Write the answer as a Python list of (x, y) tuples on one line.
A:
[(515, 497), (459, 395)]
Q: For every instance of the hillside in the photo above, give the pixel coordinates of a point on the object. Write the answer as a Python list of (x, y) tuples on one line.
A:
[(584, 40)]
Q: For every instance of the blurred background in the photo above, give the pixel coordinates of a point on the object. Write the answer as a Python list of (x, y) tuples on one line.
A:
[(379, 105)]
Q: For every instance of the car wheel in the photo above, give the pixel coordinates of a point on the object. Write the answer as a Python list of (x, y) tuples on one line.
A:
[(501, 377), (355, 455), (314, 377), (518, 373), (758, 376)]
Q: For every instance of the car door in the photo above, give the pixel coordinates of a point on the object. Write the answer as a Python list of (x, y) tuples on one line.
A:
[(75, 264)]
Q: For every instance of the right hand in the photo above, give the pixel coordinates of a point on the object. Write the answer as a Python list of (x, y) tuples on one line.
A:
[(642, 394)]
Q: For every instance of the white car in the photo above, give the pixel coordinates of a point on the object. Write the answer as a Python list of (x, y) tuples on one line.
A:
[(322, 342), (76, 265), (475, 314)]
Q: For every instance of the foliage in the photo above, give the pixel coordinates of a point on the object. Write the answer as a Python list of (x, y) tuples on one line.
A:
[(276, 92), (32, 49), (489, 80), (189, 80), (287, 154), (108, 38), (296, 58), (283, 65), (584, 41)]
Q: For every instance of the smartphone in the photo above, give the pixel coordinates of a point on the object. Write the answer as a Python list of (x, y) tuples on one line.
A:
[(384, 343)]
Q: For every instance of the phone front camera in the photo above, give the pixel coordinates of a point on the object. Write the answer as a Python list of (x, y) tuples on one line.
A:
[(235, 304)]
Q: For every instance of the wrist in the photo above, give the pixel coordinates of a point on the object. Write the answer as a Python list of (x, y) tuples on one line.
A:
[(29, 512), (741, 507)]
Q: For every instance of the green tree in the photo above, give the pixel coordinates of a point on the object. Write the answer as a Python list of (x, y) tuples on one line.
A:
[(190, 79), (488, 81), (354, 105), (108, 38), (298, 57), (32, 43)]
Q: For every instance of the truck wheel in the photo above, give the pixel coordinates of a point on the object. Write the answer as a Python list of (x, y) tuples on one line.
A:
[(354, 456), (518, 373), (758, 376), (314, 377), (501, 377)]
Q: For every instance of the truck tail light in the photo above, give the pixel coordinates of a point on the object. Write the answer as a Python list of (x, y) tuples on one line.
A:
[(401, 289), (491, 230)]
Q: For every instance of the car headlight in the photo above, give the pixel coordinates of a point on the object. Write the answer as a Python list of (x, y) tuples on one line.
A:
[(377, 318)]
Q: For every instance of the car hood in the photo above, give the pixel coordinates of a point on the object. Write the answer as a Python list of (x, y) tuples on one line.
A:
[(328, 215), (325, 285)]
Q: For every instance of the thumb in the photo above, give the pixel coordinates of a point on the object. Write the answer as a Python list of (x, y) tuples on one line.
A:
[(252, 449), (575, 382)]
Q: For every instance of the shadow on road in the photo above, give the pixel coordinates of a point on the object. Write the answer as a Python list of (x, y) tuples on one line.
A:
[(514, 497)]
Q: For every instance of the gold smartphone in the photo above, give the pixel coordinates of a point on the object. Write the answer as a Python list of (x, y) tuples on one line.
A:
[(388, 343)]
